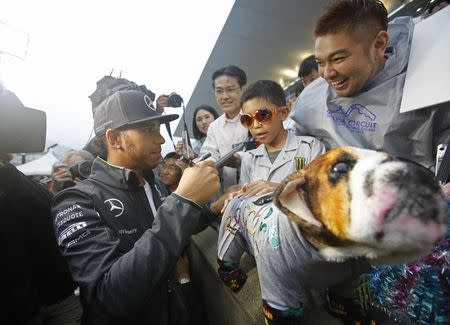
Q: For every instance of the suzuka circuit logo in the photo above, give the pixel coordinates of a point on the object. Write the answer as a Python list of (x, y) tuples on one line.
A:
[(357, 118), (116, 206)]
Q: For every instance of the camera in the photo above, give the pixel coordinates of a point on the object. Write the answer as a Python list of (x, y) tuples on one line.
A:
[(174, 100), (81, 170), (22, 129)]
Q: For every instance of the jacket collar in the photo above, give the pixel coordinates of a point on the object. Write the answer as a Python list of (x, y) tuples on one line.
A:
[(234, 120), (291, 144), (117, 176)]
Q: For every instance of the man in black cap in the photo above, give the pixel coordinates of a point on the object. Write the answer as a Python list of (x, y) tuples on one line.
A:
[(121, 234)]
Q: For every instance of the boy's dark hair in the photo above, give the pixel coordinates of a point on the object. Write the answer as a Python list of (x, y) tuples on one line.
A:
[(266, 89), (231, 71), (172, 155), (352, 15), (195, 130), (307, 66), (431, 6)]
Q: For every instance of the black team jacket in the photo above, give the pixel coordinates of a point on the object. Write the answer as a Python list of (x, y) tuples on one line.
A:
[(120, 254)]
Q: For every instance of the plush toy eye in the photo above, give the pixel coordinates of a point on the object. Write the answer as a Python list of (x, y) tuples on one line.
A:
[(340, 168), (338, 171)]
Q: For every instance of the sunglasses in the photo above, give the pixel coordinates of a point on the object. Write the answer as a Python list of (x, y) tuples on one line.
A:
[(262, 115)]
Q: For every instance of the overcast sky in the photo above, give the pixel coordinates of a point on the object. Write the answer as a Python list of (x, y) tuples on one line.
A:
[(162, 44)]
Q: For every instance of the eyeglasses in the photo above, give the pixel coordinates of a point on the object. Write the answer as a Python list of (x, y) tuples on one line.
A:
[(170, 167), (262, 115), (229, 90)]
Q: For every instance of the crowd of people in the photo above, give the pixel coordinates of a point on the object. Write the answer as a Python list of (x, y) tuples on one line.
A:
[(112, 234)]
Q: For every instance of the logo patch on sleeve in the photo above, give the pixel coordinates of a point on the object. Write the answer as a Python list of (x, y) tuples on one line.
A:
[(300, 163)]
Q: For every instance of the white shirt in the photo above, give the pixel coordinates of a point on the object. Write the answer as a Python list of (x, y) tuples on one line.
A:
[(222, 134), (148, 192)]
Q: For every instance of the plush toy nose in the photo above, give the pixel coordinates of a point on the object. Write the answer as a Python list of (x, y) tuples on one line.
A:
[(416, 203), (419, 192)]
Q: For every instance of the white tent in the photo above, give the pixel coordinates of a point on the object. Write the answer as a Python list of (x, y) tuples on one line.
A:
[(39, 167)]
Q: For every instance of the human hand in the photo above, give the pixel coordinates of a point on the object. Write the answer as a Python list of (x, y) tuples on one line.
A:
[(258, 188), (250, 189), (162, 101), (218, 205), (446, 190), (179, 150), (61, 178), (182, 164), (234, 161), (182, 267), (179, 147), (226, 198), (199, 182)]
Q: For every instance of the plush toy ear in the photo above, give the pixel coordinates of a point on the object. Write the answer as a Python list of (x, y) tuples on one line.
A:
[(291, 200)]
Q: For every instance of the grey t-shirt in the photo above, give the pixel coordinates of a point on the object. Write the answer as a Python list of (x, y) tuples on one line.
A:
[(273, 155)]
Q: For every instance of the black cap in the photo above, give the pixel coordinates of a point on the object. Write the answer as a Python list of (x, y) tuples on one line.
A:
[(127, 108)]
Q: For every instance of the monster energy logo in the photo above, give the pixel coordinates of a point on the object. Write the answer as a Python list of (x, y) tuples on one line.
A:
[(364, 295), (300, 162)]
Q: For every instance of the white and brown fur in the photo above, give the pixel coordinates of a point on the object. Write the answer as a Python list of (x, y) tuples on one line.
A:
[(348, 203), (382, 208)]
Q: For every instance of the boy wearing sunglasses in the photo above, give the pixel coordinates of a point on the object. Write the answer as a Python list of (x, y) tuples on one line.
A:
[(281, 152)]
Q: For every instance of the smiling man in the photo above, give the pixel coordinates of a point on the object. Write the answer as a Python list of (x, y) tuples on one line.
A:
[(119, 230), (362, 61), (226, 130)]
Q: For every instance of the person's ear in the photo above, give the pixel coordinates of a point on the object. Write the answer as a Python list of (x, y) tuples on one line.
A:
[(379, 44), (113, 139), (283, 112)]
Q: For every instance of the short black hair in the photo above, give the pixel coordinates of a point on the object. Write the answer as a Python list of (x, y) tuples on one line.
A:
[(266, 89), (431, 6), (172, 155), (352, 16), (231, 71), (195, 130), (307, 66)]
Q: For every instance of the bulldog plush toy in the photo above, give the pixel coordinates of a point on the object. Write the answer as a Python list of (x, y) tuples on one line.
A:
[(325, 223)]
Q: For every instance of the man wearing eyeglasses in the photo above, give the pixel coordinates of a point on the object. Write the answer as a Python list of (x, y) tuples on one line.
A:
[(226, 130), (121, 233)]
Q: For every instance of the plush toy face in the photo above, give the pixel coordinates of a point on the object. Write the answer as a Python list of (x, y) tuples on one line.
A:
[(357, 202)]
